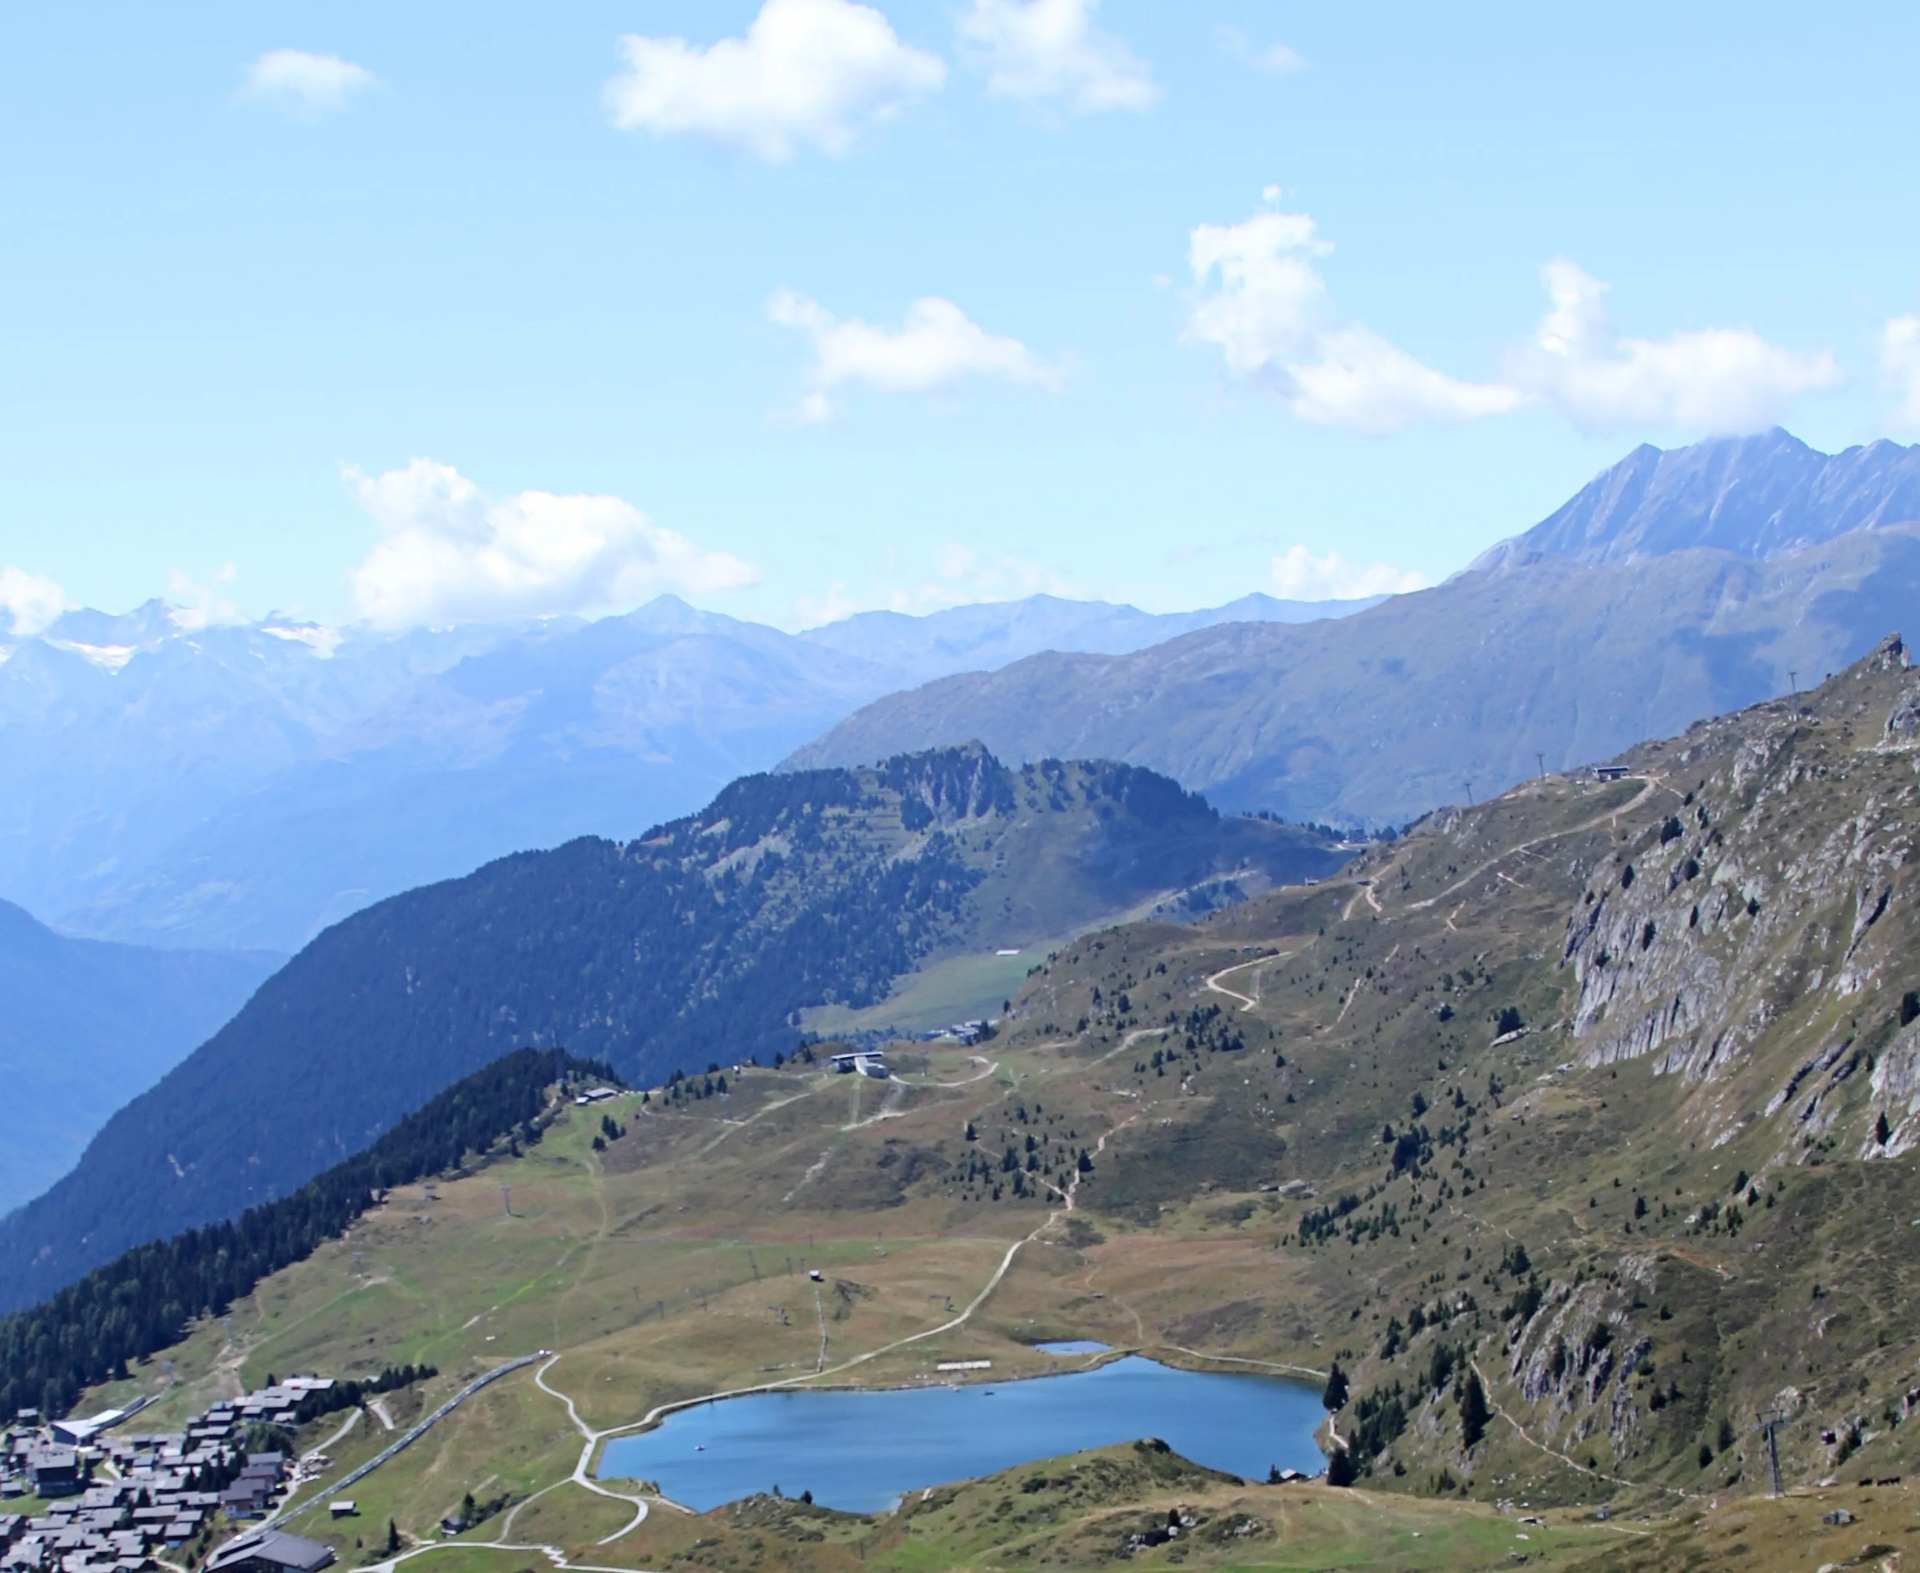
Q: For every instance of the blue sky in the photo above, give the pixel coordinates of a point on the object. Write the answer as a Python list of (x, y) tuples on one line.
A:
[(423, 313)]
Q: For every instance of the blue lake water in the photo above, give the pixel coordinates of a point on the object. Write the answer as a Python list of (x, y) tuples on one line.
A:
[(1071, 1346), (862, 1451)]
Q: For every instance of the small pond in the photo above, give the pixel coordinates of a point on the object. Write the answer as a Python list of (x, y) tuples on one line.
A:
[(1071, 1346), (862, 1451)]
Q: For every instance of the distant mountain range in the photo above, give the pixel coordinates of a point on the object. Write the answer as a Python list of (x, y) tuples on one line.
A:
[(85, 1026), (168, 783), (1675, 586), (698, 945), (1756, 497)]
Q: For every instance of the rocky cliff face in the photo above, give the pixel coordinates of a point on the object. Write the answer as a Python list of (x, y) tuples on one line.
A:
[(1778, 896)]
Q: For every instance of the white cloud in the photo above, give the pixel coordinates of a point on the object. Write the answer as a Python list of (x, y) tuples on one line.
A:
[(1266, 308), (937, 347), (30, 601), (1708, 379), (808, 73), (1050, 51), (1300, 576), (1900, 360), (963, 577), (303, 82), (1277, 58), (196, 606), (959, 576), (450, 554), (829, 608), (1268, 312)]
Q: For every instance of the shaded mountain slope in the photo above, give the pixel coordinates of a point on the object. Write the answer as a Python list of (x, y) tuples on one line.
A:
[(1379, 717), (84, 1026), (697, 944)]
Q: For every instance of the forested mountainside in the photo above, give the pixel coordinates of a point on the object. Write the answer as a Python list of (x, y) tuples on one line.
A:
[(1562, 1141), (695, 944), (85, 1025), (1466, 688)]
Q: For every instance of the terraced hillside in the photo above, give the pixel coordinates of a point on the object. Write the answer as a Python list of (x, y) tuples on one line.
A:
[(1575, 1131)]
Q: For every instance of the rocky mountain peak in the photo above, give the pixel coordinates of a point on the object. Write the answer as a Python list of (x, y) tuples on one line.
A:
[(1757, 497)]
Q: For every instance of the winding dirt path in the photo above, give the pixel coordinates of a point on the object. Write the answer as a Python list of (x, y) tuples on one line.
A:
[(1553, 1452), (1247, 1001), (1650, 785)]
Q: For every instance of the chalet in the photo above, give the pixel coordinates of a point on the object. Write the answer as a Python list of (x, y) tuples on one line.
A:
[(248, 1496), (270, 1551), (868, 1062), (55, 1471)]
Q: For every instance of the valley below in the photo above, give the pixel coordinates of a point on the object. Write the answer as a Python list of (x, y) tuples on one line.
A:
[(1561, 1144)]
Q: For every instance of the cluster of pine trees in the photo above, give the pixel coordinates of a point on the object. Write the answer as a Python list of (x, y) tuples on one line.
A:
[(143, 1300), (351, 1394)]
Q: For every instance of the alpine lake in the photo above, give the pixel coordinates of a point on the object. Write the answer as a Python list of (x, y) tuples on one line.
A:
[(863, 1451)]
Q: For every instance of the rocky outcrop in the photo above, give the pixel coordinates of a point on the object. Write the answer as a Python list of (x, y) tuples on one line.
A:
[(1788, 862)]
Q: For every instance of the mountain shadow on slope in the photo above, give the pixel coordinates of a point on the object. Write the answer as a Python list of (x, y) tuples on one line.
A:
[(696, 944)]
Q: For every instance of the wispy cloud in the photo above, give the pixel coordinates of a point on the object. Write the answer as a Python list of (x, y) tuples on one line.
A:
[(957, 575), (448, 553), (1298, 575), (1277, 58), (1900, 361), (1265, 307), (31, 601), (808, 73), (304, 83), (1264, 303), (197, 606), (1049, 51), (936, 348)]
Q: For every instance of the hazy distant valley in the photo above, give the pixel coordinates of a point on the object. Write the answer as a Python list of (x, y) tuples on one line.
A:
[(246, 786)]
